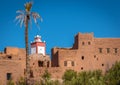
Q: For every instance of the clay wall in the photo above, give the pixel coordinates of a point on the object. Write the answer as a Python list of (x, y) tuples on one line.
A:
[(12, 63), (86, 55)]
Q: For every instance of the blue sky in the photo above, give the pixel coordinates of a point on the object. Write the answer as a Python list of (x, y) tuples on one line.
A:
[(62, 20)]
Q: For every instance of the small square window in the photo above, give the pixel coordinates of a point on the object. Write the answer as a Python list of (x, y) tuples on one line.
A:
[(82, 57), (83, 43), (40, 63), (100, 50), (72, 63), (102, 64), (65, 63), (81, 68), (116, 50), (9, 57), (108, 50), (89, 43), (9, 76)]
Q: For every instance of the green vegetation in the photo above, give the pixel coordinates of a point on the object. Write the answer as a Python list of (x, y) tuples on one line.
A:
[(83, 78), (112, 77), (71, 77), (10, 82), (21, 81), (46, 78)]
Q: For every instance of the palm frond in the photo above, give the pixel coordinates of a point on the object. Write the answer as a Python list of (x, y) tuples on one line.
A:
[(19, 16), (36, 16), (21, 23), (20, 19), (20, 11)]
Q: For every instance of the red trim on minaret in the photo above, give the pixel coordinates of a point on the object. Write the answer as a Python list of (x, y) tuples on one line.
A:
[(38, 43)]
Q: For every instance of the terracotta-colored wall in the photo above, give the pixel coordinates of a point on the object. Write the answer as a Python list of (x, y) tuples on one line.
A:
[(93, 59), (12, 61), (85, 56)]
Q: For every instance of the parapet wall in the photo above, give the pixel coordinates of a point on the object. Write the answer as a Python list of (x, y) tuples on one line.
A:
[(14, 51)]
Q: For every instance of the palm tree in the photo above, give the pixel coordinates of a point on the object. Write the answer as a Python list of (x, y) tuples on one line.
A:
[(25, 16)]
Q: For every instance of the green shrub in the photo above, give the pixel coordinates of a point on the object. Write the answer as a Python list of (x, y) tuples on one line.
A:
[(10, 82), (69, 75)]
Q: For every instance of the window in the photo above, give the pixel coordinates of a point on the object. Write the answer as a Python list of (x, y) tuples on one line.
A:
[(9, 76), (100, 50), (72, 63), (65, 63), (102, 64), (9, 57), (108, 50), (83, 43), (48, 64), (94, 56), (82, 57), (40, 63), (115, 49), (81, 68), (89, 43)]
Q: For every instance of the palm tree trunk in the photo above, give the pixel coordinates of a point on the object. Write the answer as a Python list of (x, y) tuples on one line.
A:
[(27, 49)]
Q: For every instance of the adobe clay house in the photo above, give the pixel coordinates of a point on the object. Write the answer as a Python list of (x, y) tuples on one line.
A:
[(87, 53)]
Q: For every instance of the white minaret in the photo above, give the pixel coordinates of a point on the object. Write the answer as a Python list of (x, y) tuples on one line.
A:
[(37, 46)]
